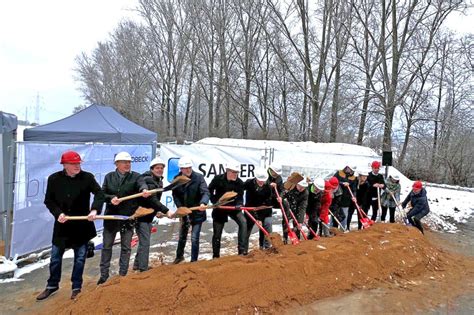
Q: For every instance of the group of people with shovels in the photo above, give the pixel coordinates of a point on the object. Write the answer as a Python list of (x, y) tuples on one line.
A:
[(133, 200)]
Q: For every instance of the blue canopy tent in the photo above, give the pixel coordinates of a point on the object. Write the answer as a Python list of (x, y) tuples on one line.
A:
[(96, 123)]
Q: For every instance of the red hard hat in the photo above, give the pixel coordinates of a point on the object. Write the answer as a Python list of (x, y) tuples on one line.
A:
[(375, 164), (334, 182), (417, 185), (70, 157)]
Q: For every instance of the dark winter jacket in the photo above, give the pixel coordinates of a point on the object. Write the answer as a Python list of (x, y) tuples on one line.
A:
[(279, 185), (71, 196), (314, 200), (419, 203), (346, 199), (298, 202), (374, 179), (192, 194), (362, 195), (114, 186), (152, 182), (256, 196), (220, 185), (336, 199)]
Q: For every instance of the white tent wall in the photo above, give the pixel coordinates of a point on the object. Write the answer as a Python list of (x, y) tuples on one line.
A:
[(32, 223)]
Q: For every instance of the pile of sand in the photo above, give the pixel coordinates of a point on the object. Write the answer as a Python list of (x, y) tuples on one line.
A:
[(274, 280)]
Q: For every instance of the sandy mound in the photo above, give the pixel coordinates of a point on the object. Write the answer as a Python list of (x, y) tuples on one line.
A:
[(274, 280)]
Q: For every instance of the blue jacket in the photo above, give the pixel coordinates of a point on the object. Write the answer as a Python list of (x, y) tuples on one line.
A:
[(419, 203)]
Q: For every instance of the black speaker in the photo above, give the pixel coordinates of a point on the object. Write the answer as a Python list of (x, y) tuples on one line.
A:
[(387, 158)]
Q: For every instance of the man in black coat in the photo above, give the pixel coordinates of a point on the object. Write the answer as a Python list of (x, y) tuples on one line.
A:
[(295, 200), (220, 184), (119, 183), (347, 180), (316, 190), (194, 193), (68, 194), (258, 192), (152, 179), (376, 181)]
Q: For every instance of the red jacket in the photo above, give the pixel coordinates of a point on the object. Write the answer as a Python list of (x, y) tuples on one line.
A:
[(326, 200)]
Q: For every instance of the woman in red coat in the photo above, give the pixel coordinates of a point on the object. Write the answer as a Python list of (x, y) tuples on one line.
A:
[(326, 200)]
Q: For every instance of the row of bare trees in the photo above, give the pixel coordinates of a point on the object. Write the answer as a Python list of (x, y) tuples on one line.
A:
[(381, 73)]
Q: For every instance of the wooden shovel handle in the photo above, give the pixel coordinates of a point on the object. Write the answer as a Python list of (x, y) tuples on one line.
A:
[(153, 191)]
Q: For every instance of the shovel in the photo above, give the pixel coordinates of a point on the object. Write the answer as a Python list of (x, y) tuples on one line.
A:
[(364, 219), (338, 222), (178, 181), (258, 224), (298, 225), (316, 236), (378, 201), (224, 199), (291, 234), (399, 207), (139, 213)]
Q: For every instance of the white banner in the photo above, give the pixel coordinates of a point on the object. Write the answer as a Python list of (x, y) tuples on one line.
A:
[(32, 224), (207, 160)]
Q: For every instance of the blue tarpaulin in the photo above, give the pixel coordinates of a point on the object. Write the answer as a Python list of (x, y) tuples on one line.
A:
[(96, 123)]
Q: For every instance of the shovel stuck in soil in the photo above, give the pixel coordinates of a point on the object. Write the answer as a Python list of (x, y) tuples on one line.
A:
[(291, 234), (292, 180), (178, 181), (364, 218), (399, 207), (139, 213), (224, 199)]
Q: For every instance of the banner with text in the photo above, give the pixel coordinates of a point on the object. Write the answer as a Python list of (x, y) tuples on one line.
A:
[(208, 160), (32, 224)]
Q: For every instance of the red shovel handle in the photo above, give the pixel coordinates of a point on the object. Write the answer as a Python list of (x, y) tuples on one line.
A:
[(364, 219), (298, 225), (316, 236), (256, 222), (291, 234)]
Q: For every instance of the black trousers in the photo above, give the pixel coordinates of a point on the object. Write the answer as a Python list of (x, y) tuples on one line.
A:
[(242, 246), (392, 214)]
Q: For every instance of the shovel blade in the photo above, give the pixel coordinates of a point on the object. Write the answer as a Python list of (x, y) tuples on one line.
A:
[(294, 239), (365, 223)]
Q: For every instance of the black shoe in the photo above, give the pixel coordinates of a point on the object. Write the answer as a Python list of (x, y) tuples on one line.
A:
[(101, 280), (178, 260), (75, 293), (46, 294)]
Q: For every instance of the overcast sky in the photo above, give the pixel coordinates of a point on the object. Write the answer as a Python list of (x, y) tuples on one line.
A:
[(39, 40)]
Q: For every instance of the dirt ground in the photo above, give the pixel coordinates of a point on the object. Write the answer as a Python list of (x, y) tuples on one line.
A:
[(388, 268)]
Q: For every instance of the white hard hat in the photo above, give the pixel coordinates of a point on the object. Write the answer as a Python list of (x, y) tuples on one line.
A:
[(395, 177), (319, 183), (275, 168), (233, 167), (261, 174), (303, 183), (156, 161), (185, 162), (363, 173), (123, 156)]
